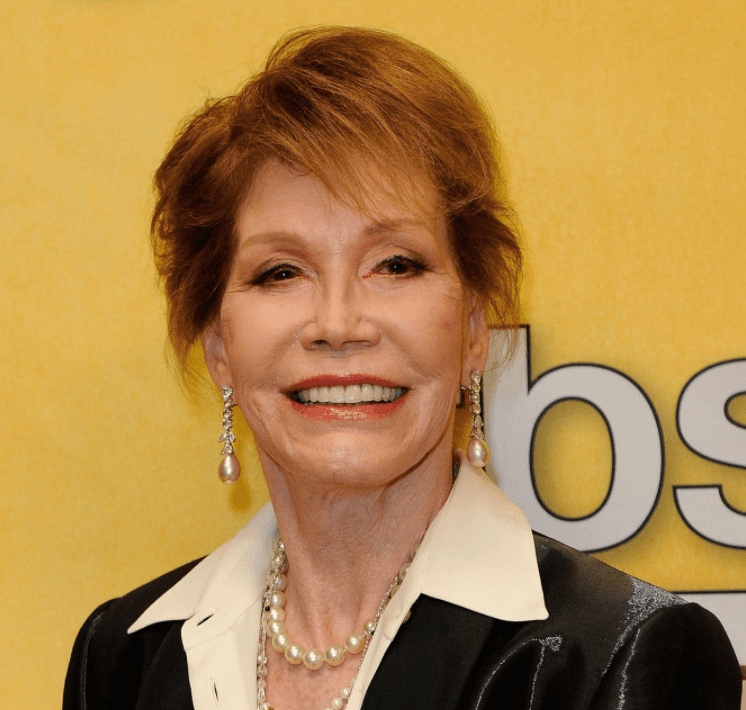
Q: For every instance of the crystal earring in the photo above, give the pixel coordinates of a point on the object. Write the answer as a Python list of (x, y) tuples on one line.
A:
[(477, 451), (230, 468)]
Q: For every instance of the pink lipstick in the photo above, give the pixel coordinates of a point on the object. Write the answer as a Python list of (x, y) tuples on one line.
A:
[(346, 397)]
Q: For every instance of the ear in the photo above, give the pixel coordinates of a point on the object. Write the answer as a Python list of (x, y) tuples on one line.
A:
[(216, 358), (478, 340)]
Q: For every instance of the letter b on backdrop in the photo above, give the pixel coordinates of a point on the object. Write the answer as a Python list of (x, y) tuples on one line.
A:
[(514, 406)]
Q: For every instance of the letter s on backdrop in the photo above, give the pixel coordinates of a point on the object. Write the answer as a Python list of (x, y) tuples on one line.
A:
[(706, 428)]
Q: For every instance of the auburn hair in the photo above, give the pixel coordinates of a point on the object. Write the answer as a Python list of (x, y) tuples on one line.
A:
[(347, 105)]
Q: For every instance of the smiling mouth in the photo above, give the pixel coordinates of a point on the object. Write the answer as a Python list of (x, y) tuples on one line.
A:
[(340, 395)]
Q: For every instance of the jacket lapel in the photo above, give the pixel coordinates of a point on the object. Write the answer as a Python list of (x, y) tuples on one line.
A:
[(429, 661), (165, 686)]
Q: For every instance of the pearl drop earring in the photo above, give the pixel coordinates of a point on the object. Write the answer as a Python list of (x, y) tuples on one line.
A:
[(477, 451), (230, 468)]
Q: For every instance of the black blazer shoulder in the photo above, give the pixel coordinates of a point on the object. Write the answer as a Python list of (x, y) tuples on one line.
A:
[(113, 670), (610, 641)]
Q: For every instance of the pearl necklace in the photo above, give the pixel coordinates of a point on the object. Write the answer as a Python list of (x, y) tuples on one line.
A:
[(273, 626)]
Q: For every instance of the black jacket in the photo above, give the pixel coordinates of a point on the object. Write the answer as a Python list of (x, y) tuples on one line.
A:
[(610, 641)]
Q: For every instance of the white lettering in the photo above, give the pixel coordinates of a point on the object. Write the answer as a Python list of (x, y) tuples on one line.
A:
[(513, 407), (706, 428)]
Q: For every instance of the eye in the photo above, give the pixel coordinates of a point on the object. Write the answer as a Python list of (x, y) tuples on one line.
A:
[(400, 266), (276, 274)]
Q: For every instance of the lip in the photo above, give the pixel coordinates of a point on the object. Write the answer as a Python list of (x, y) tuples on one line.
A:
[(340, 380), (348, 412)]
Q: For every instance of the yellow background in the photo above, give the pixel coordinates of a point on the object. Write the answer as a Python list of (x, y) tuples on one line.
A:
[(623, 126)]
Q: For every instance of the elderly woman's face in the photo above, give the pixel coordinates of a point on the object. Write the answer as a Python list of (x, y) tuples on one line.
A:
[(345, 337)]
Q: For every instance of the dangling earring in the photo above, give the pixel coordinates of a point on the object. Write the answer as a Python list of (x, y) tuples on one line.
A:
[(477, 451), (230, 468)]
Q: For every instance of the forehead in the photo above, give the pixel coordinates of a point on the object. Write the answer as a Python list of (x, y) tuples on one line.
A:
[(284, 198)]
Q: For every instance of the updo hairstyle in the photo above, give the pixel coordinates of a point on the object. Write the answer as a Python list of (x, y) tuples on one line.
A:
[(347, 105)]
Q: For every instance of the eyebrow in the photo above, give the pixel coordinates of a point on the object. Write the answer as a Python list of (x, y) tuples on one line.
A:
[(394, 225), (378, 227)]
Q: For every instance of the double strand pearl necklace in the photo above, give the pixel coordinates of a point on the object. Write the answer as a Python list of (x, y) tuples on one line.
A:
[(273, 627)]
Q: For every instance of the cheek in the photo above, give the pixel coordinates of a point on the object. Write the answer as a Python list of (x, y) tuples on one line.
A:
[(436, 327), (254, 333)]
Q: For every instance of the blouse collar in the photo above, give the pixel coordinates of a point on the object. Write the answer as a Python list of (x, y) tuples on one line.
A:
[(478, 554)]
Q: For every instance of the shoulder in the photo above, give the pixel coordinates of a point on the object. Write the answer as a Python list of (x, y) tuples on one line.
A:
[(636, 640), (108, 665), (574, 581), (109, 623), (602, 604)]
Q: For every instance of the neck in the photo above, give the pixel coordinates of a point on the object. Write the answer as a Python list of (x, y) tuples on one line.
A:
[(345, 544)]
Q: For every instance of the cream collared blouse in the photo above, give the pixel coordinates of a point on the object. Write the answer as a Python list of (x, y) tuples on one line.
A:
[(478, 553)]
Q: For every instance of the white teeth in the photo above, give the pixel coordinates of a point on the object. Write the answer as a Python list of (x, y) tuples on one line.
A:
[(352, 394)]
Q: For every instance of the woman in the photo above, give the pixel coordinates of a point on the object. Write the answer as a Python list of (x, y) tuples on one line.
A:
[(336, 238)]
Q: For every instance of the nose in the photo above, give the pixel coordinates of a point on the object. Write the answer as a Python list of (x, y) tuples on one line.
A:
[(340, 319)]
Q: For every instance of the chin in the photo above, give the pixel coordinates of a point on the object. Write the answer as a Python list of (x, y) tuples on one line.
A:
[(358, 465), (340, 460)]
